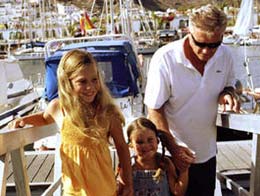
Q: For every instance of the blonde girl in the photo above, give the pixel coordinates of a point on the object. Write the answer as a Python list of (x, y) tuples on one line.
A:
[(86, 116), (153, 173)]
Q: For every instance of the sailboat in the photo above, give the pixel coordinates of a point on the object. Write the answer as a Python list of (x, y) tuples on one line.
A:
[(245, 31), (17, 93), (39, 23)]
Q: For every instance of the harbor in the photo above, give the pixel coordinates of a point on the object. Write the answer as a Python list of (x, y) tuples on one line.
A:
[(26, 170)]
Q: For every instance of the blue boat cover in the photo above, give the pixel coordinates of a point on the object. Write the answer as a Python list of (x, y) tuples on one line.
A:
[(116, 60)]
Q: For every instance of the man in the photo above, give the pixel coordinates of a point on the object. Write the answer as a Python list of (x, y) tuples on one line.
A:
[(186, 81)]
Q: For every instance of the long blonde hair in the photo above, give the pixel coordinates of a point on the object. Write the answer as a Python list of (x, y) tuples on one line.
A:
[(70, 65)]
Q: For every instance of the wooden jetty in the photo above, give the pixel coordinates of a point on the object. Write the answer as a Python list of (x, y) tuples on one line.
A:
[(40, 164), (235, 158)]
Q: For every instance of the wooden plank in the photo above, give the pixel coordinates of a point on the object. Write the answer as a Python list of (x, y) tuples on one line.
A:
[(10, 177), (223, 163), (238, 157), (35, 167), (45, 169), (224, 158), (246, 147), (3, 173), (20, 174), (51, 189), (233, 158), (234, 155), (255, 166), (50, 177), (29, 160), (244, 155), (10, 172), (43, 174)]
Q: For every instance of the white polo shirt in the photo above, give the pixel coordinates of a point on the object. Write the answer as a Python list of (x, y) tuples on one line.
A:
[(191, 100)]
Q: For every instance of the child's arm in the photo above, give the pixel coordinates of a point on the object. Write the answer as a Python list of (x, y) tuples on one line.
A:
[(177, 184), (124, 156), (37, 119)]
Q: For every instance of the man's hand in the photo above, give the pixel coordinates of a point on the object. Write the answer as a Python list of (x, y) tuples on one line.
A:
[(183, 157), (229, 98)]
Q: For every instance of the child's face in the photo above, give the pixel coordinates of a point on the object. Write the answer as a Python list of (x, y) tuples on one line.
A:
[(86, 83), (145, 143)]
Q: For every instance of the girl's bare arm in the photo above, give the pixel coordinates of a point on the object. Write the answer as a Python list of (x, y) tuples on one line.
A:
[(37, 119), (178, 183), (124, 156)]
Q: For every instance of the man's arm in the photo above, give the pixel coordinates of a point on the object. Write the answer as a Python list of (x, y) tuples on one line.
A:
[(182, 156), (158, 118)]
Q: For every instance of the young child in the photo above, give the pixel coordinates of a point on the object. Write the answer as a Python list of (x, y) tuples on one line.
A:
[(86, 116), (153, 173)]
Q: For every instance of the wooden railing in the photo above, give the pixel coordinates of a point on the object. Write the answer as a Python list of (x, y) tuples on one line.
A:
[(12, 144), (248, 123)]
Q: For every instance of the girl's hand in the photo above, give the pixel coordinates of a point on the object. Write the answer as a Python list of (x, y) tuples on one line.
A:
[(124, 190), (17, 123)]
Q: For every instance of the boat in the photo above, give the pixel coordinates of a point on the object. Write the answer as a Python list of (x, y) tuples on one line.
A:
[(245, 31), (33, 50), (17, 92), (167, 35), (116, 58)]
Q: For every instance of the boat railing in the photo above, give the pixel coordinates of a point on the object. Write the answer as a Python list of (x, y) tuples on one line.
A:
[(248, 123), (12, 144), (18, 106), (53, 45)]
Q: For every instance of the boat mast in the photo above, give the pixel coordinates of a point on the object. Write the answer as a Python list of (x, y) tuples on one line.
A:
[(42, 18), (112, 26), (92, 8)]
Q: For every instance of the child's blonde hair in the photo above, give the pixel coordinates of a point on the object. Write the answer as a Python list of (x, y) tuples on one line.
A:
[(70, 65)]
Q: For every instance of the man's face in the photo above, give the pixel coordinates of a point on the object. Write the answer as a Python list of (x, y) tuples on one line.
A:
[(203, 45)]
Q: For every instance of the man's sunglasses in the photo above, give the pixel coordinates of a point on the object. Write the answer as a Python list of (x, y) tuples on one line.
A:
[(208, 45)]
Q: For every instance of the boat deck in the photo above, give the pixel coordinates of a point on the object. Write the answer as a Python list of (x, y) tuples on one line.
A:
[(233, 157)]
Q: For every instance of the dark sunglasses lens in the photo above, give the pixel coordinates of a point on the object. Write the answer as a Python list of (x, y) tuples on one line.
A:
[(214, 45), (204, 45), (209, 45)]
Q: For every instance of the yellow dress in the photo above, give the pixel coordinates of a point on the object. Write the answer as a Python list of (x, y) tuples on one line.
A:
[(86, 163)]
